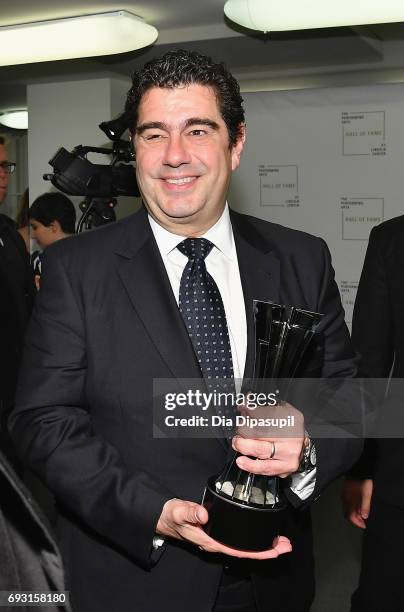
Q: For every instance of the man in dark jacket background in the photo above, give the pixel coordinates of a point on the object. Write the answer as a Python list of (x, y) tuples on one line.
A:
[(29, 558), (17, 293), (374, 493)]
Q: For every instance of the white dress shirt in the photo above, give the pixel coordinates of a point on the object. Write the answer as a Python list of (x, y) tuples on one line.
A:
[(222, 265)]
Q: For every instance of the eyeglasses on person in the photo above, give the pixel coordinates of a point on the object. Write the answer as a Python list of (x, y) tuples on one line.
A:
[(8, 167)]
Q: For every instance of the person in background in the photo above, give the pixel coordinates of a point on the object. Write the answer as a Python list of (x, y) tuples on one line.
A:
[(52, 217), (29, 556), (22, 218), (373, 494), (17, 292)]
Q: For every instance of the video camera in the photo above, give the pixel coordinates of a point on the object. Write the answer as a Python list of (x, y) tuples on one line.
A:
[(74, 174)]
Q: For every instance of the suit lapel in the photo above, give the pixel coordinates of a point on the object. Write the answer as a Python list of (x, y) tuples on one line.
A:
[(259, 273), (144, 277)]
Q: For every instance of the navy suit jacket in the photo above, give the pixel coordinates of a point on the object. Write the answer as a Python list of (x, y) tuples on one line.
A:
[(105, 324)]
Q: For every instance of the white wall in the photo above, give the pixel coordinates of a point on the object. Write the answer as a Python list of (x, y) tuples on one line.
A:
[(326, 161)]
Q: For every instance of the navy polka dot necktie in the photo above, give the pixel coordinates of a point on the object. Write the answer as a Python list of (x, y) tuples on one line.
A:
[(203, 312)]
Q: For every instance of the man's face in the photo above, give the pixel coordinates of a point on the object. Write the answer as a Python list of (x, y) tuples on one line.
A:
[(183, 158), (3, 174), (43, 235)]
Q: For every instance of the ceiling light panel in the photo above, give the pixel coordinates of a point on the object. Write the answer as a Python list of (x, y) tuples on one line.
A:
[(268, 15), (74, 37), (17, 120)]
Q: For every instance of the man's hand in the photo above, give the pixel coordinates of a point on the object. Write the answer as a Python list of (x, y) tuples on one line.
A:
[(183, 520), (271, 451), (356, 500)]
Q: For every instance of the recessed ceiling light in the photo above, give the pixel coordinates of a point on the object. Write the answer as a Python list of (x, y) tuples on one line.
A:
[(271, 16), (73, 37)]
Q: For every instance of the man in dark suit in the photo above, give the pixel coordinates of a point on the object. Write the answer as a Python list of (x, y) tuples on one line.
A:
[(112, 317), (17, 295), (373, 494)]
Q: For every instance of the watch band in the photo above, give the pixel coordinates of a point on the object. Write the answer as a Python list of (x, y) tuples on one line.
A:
[(309, 459)]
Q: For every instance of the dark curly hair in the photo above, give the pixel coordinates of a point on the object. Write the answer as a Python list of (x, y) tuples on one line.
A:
[(54, 206), (181, 68)]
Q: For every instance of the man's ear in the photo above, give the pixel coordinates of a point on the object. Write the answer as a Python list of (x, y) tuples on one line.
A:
[(55, 226), (237, 148)]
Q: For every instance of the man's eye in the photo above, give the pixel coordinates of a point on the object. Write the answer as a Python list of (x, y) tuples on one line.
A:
[(198, 132), (153, 136)]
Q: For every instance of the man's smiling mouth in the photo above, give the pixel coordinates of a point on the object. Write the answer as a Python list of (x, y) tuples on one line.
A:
[(180, 181)]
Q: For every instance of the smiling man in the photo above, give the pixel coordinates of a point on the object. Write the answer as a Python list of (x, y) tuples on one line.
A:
[(184, 163), (118, 308)]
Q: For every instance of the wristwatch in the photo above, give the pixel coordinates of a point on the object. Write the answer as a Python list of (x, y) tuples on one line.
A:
[(158, 542), (309, 459)]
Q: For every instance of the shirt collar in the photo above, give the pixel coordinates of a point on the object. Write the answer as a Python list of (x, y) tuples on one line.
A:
[(220, 234)]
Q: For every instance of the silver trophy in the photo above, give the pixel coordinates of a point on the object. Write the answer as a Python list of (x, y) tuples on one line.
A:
[(247, 511)]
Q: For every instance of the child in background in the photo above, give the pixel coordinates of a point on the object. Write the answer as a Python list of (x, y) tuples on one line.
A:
[(52, 217)]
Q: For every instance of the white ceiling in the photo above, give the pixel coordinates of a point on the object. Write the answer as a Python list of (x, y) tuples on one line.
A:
[(287, 59), (165, 15)]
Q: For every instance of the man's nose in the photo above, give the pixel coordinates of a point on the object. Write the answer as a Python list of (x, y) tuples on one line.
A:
[(176, 152)]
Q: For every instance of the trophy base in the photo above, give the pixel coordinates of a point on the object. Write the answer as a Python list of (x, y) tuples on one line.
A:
[(240, 526)]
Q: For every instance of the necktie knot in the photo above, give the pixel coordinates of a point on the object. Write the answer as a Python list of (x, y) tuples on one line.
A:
[(195, 248)]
